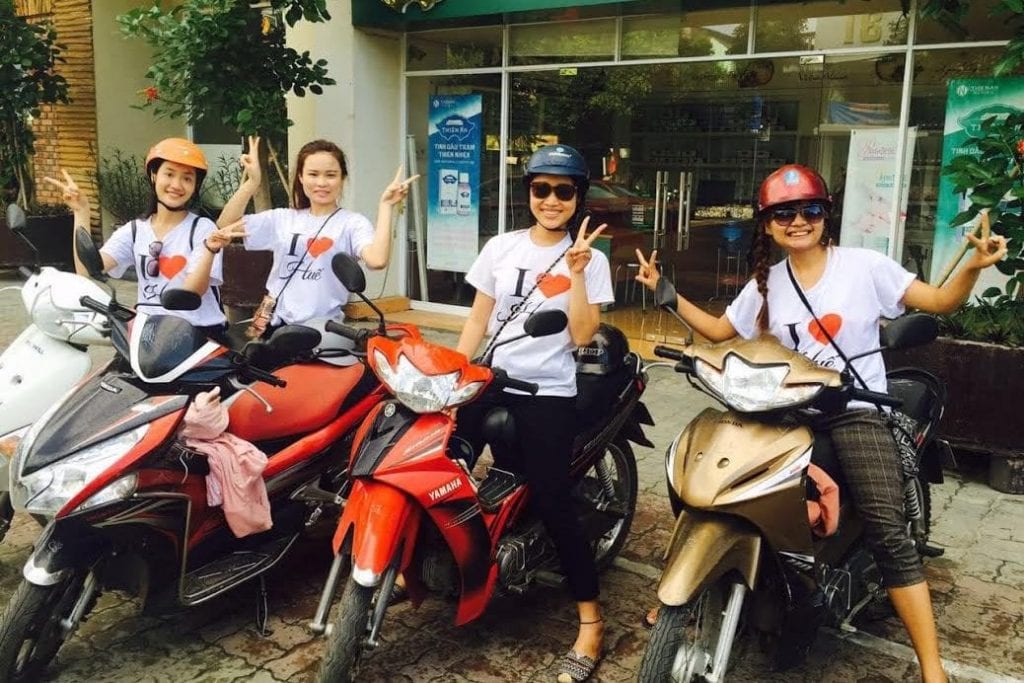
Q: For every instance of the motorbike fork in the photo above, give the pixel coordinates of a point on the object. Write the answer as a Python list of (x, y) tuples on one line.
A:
[(89, 588), (319, 623), (730, 622)]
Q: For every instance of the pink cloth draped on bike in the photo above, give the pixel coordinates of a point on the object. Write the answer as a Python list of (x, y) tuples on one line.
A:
[(823, 514), (235, 481)]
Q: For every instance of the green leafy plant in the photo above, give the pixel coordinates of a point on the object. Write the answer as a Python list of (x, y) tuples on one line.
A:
[(29, 55), (229, 59), (123, 188)]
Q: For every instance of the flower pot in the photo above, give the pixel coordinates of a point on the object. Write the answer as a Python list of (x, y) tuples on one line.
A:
[(245, 277), (983, 413)]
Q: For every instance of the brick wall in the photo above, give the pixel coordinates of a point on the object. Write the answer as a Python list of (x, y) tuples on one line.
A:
[(66, 134)]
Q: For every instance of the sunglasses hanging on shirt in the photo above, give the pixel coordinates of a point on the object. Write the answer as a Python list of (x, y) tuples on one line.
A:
[(153, 264), (542, 190)]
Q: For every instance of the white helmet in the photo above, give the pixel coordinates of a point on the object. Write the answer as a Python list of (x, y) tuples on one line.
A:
[(329, 341)]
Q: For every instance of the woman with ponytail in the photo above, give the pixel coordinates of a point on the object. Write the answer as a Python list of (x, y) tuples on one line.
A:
[(849, 291)]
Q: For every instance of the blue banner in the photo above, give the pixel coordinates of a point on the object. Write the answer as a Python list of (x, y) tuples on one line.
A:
[(453, 202)]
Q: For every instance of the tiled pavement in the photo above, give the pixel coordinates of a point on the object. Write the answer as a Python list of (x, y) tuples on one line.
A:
[(978, 589)]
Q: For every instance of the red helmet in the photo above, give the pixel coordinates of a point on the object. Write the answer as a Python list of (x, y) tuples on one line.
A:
[(792, 183)]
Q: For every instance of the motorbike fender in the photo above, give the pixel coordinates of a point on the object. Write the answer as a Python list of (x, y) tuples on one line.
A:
[(35, 372), (60, 548), (378, 521), (703, 548)]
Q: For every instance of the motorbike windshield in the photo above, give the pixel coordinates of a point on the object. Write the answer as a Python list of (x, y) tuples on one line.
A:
[(166, 342)]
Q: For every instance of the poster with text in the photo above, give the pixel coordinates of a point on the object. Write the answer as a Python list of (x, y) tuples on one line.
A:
[(453, 202), (870, 186), (969, 101)]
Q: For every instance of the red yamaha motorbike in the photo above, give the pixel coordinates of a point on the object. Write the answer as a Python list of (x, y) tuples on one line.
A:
[(414, 509), (126, 499)]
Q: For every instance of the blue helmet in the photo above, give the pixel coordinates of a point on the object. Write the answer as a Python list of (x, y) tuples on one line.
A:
[(560, 160)]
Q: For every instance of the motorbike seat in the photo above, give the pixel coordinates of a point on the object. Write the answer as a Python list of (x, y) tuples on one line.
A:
[(312, 398), (922, 393)]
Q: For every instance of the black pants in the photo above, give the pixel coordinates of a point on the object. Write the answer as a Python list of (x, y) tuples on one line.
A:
[(867, 453), (545, 429)]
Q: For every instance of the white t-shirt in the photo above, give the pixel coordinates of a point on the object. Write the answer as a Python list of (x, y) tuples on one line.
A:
[(313, 291), (858, 287), (506, 270), (175, 259)]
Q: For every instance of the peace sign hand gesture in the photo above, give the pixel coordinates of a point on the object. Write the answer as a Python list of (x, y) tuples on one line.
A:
[(76, 200), (250, 161), (648, 274), (989, 248), (398, 189), (579, 253), (221, 237)]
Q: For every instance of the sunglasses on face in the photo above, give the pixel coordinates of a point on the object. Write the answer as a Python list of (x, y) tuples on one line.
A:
[(563, 191), (153, 264), (812, 213)]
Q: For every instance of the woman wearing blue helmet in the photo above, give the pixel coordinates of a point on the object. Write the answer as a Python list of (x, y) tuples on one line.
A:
[(549, 265)]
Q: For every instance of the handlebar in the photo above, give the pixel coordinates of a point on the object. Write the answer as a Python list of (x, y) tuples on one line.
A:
[(668, 352), (354, 333), (875, 397), (26, 272), (264, 376), (94, 305), (502, 379)]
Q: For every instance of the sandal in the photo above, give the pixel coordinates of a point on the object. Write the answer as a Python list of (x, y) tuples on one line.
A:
[(575, 668)]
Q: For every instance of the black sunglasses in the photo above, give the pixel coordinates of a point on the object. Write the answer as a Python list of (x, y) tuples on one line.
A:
[(563, 191), (153, 264), (812, 213)]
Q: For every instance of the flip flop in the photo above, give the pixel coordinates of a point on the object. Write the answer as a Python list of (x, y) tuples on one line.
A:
[(576, 668)]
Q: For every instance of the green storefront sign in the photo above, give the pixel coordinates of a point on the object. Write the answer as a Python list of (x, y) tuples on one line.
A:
[(405, 13)]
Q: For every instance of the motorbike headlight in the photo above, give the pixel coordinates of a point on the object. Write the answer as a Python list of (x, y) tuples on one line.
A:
[(9, 443), (420, 392), (46, 491), (753, 388)]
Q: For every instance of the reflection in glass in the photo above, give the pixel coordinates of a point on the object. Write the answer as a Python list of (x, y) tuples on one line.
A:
[(690, 34), (552, 43), (829, 24), (454, 49)]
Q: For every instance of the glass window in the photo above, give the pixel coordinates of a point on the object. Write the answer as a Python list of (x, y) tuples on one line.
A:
[(446, 286), (454, 49), (978, 24), (685, 35), (555, 42), (829, 24)]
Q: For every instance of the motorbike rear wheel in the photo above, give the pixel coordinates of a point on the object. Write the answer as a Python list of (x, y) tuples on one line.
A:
[(345, 647), (619, 465), (683, 640), (30, 629)]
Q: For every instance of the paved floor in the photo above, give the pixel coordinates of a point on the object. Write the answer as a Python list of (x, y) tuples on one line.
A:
[(978, 592)]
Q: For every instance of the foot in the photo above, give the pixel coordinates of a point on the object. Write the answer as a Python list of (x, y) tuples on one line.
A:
[(590, 639)]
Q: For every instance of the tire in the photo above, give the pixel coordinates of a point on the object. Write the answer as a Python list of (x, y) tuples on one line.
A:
[(345, 647), (30, 630), (6, 513), (683, 639), (619, 458)]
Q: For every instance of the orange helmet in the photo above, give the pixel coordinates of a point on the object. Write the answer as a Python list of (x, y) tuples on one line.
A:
[(178, 150), (792, 183)]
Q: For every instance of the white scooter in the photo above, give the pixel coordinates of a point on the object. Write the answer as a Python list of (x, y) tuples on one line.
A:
[(49, 357)]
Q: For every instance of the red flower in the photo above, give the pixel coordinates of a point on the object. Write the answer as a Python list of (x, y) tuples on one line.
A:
[(151, 93), (1020, 148)]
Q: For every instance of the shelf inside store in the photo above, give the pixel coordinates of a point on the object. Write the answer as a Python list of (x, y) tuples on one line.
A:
[(713, 133), (736, 165)]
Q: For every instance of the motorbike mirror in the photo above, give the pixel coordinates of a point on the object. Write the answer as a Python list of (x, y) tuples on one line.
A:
[(178, 299), (545, 323), (292, 339), (88, 254), (16, 218), (349, 273), (910, 330)]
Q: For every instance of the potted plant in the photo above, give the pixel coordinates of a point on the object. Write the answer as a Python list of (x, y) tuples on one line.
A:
[(981, 356), (29, 54)]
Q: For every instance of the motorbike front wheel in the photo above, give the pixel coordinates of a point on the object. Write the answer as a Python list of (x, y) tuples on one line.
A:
[(31, 632), (683, 640), (345, 647)]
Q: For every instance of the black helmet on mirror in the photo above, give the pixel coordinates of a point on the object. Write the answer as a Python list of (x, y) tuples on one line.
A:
[(605, 353)]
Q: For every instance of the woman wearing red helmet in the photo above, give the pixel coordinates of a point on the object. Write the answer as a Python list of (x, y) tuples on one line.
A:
[(169, 245), (853, 289)]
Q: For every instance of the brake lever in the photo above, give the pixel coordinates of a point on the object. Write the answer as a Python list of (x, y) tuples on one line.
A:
[(239, 385)]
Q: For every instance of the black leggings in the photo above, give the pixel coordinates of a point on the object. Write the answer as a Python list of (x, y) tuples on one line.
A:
[(545, 429)]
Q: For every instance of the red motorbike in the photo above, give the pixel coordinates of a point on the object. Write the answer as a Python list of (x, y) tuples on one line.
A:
[(126, 499), (415, 510)]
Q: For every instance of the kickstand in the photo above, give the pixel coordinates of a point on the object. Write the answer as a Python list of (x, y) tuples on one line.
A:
[(262, 611)]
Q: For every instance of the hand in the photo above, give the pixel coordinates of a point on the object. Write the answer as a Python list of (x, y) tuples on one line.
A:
[(76, 200), (397, 191), (579, 253), (208, 399), (221, 237), (648, 274), (250, 161), (989, 248)]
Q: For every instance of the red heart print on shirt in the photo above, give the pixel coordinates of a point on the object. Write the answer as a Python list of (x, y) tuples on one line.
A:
[(172, 265), (319, 245), (831, 322), (552, 285)]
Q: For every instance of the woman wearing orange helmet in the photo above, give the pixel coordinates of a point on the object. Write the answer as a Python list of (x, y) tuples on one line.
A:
[(854, 288), (169, 245)]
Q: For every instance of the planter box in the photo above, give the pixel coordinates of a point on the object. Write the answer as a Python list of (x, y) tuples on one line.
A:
[(51, 235), (983, 410), (245, 276)]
